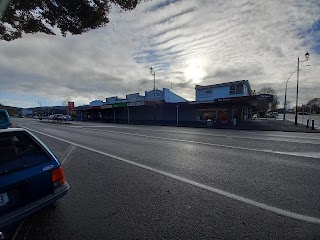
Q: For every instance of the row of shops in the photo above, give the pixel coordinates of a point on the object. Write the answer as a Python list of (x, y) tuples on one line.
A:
[(221, 110)]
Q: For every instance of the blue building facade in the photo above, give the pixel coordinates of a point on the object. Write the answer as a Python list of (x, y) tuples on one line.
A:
[(224, 90)]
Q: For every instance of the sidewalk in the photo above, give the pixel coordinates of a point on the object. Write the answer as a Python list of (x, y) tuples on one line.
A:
[(258, 125), (269, 125)]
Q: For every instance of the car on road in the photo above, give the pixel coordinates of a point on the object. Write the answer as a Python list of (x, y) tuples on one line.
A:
[(58, 117), (255, 116), (272, 114), (5, 121), (31, 176)]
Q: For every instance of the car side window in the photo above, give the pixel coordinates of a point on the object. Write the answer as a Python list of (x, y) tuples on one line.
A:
[(3, 117)]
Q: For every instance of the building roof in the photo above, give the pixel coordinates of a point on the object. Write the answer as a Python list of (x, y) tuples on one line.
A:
[(246, 82)]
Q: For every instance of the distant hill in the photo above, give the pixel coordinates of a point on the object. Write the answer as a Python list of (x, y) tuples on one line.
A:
[(11, 110)]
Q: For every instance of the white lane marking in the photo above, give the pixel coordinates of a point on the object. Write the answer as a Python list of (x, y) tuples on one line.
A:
[(215, 145), (248, 201), (66, 157), (263, 137), (18, 230), (27, 233)]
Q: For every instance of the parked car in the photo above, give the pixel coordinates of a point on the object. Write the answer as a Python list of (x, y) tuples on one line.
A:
[(31, 176), (255, 116), (303, 113), (57, 117), (5, 121), (60, 117)]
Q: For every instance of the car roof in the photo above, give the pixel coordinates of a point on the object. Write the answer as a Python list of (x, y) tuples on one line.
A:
[(13, 130)]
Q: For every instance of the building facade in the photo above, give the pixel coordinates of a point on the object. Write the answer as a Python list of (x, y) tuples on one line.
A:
[(219, 103), (223, 90)]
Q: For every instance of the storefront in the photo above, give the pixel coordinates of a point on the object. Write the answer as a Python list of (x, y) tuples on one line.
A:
[(219, 111)]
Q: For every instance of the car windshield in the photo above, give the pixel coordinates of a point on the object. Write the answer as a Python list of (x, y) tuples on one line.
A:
[(19, 150)]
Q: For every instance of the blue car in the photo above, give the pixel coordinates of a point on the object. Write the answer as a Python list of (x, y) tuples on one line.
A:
[(31, 177), (5, 121)]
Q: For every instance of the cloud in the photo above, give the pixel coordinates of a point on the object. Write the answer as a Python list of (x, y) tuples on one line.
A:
[(187, 42)]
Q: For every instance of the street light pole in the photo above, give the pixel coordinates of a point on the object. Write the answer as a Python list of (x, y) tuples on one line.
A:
[(154, 91), (296, 115), (285, 100), (285, 93), (154, 83)]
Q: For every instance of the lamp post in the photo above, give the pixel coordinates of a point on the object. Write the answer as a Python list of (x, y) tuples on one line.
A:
[(154, 83), (285, 94), (296, 115), (154, 91)]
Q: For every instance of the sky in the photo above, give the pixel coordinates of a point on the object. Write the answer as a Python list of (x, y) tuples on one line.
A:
[(187, 42)]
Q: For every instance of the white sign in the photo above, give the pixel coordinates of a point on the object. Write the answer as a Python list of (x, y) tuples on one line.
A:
[(134, 104)]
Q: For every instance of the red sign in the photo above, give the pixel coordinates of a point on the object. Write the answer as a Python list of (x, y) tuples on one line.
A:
[(70, 107)]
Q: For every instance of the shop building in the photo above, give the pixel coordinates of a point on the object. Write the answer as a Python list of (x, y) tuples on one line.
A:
[(219, 103)]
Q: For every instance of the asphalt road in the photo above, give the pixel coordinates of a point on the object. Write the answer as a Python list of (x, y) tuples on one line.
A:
[(152, 182)]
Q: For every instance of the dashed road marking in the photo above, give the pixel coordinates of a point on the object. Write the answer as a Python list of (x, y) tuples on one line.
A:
[(69, 152)]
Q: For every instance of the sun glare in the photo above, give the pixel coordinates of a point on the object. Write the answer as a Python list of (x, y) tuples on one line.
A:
[(194, 70)]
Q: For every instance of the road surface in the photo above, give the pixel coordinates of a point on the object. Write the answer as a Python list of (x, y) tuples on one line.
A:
[(152, 182)]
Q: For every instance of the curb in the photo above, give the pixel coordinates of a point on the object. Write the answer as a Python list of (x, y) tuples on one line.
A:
[(54, 122)]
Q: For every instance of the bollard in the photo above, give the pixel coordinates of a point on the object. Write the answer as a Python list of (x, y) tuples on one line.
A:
[(312, 124), (308, 123)]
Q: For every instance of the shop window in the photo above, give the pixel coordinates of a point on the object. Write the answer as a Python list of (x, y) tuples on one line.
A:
[(239, 89), (232, 90)]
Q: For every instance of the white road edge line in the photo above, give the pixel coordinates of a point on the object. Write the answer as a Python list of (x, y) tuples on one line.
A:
[(248, 201), (209, 144), (204, 134), (17, 231)]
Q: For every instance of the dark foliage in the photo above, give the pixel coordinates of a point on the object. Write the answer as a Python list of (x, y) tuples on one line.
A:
[(69, 16)]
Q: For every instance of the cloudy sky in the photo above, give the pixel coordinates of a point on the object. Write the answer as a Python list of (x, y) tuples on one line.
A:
[(187, 42)]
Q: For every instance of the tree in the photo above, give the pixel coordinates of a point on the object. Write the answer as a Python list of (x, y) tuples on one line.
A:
[(315, 105), (64, 102), (69, 16), (271, 91)]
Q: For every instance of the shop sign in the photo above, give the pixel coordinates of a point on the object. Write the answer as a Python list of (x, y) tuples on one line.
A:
[(116, 105), (106, 106), (135, 104), (264, 97), (222, 99)]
